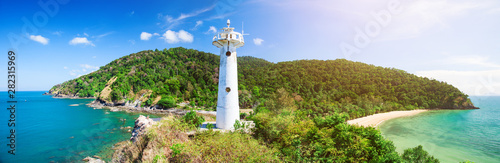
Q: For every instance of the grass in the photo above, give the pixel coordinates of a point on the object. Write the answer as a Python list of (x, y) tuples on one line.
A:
[(168, 141), (213, 146)]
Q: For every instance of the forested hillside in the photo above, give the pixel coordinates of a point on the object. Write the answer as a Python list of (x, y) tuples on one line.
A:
[(317, 87)]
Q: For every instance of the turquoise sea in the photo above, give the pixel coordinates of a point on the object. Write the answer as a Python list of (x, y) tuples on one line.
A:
[(60, 130), (50, 129), (452, 135)]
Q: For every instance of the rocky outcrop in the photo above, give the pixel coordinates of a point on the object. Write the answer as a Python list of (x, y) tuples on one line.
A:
[(93, 160), (135, 106), (128, 151), (141, 124), (105, 93), (58, 94)]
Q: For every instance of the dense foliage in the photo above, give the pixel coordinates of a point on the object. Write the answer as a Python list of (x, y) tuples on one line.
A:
[(167, 102), (318, 87), (418, 155), (320, 139)]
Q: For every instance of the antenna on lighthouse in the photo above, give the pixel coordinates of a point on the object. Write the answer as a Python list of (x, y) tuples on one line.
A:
[(228, 22)]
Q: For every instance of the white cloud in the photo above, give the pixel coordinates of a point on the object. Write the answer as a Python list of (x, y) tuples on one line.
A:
[(85, 34), (418, 17), (74, 73), (146, 36), (198, 23), (494, 11), (87, 66), (470, 82), (102, 35), (40, 39), (81, 40), (185, 36), (258, 41), (65, 67), (474, 60), (212, 29), (156, 34), (93, 57), (219, 16), (132, 42), (59, 33), (172, 37), (176, 21)]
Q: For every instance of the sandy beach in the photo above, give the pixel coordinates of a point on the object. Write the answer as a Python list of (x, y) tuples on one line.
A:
[(376, 119)]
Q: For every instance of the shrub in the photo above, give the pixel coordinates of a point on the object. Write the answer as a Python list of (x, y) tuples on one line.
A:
[(243, 115), (167, 102), (149, 102), (418, 154), (210, 126), (192, 119), (176, 149)]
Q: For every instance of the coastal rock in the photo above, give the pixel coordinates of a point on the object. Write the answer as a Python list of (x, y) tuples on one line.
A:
[(114, 109), (141, 124), (120, 102), (96, 104), (93, 160)]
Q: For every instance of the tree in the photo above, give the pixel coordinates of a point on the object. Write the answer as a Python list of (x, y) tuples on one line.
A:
[(418, 155), (167, 102)]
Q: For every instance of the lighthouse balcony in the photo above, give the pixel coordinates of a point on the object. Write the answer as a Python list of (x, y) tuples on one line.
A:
[(233, 37), (221, 39)]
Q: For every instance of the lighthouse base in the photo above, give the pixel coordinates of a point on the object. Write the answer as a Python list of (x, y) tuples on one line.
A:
[(227, 117), (246, 126)]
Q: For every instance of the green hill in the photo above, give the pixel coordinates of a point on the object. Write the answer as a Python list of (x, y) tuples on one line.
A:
[(318, 87), (300, 107)]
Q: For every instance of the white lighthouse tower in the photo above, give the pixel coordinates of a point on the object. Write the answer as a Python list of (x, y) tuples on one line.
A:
[(228, 110)]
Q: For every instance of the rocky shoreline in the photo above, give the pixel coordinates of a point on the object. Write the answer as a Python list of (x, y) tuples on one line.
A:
[(142, 123), (134, 107), (58, 95), (126, 106)]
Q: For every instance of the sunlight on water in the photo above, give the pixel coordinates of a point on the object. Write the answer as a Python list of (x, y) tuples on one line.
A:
[(62, 130), (451, 135)]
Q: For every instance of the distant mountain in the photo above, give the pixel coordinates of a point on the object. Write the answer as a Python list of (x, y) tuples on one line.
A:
[(317, 86)]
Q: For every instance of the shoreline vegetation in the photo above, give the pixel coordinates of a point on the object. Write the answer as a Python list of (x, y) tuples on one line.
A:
[(300, 108)]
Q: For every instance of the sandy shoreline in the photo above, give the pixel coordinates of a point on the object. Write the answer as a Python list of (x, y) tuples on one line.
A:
[(377, 119)]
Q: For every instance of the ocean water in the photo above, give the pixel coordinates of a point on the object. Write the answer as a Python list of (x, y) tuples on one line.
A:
[(451, 135), (60, 130)]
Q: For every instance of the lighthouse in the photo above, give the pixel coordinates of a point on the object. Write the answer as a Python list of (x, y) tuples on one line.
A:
[(228, 109)]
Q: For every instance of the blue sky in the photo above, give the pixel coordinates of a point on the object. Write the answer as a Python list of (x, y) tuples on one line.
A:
[(454, 41)]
